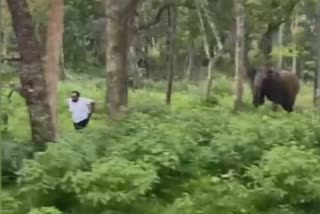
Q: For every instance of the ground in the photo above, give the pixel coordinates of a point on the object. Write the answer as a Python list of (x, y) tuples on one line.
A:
[(172, 160)]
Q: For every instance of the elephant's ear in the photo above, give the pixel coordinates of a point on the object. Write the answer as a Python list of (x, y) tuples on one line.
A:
[(258, 96), (257, 84), (258, 79)]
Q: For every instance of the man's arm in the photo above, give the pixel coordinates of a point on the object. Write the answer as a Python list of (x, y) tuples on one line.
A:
[(91, 105)]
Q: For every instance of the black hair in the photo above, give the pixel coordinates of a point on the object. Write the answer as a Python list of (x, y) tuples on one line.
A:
[(76, 92)]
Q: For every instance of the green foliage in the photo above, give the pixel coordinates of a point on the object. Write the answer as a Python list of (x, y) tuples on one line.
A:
[(112, 182), (189, 158), (9, 203), (12, 159), (45, 210)]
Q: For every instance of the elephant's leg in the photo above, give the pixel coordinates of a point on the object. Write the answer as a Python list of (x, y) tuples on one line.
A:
[(288, 104), (288, 108), (258, 99)]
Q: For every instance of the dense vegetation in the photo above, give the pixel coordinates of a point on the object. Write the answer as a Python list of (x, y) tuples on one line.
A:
[(192, 157), (196, 153)]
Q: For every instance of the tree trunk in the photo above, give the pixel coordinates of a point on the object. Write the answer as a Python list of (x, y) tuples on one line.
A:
[(239, 52), (266, 43), (42, 37), (280, 45), (202, 6), (172, 12), (294, 26), (53, 47), (118, 32), (134, 54), (317, 74), (145, 56), (190, 65), (33, 86), (62, 66), (247, 64)]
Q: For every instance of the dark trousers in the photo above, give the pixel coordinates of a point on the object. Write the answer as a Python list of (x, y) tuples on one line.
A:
[(82, 124)]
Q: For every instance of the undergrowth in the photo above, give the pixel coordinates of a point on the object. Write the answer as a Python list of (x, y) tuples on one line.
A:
[(192, 157)]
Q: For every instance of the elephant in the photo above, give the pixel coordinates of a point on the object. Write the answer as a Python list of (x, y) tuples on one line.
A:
[(279, 86)]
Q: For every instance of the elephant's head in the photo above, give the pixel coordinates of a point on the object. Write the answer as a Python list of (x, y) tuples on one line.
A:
[(264, 77)]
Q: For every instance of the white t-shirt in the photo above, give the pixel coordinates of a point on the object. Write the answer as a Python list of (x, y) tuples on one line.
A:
[(80, 110)]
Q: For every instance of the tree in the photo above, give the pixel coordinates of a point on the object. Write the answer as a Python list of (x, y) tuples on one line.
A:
[(120, 15), (263, 19), (317, 79), (53, 48), (239, 52), (280, 45), (172, 15), (33, 86), (213, 57), (294, 26)]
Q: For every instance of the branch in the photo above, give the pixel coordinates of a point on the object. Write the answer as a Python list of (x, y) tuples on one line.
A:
[(157, 18), (202, 30), (275, 25), (11, 59), (161, 10), (212, 25)]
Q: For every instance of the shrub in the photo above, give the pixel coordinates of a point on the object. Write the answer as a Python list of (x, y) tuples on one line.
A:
[(186, 158), (45, 210)]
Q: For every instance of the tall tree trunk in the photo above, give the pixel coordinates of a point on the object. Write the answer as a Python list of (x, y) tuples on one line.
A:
[(118, 32), (280, 45), (317, 74), (41, 34), (172, 12), (266, 41), (62, 66), (190, 64), (202, 6), (294, 26), (33, 86), (239, 52), (145, 57), (53, 47), (247, 63), (206, 48), (266, 45)]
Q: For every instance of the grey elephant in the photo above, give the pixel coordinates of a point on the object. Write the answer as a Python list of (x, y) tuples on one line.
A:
[(279, 86)]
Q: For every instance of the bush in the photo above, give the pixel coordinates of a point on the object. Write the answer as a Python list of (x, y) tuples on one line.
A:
[(11, 160), (45, 210), (186, 158)]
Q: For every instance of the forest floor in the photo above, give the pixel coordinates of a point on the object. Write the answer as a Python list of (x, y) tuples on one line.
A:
[(184, 96), (170, 160)]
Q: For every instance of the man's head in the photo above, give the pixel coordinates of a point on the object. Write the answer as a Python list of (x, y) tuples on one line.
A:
[(75, 96)]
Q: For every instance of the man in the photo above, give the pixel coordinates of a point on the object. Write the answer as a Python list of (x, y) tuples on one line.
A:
[(81, 108)]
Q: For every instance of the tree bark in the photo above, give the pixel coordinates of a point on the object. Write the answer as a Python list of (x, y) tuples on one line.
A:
[(53, 47), (61, 64), (190, 64), (172, 12), (118, 31), (33, 86), (317, 74), (280, 45), (239, 52), (41, 32), (247, 64), (266, 42), (212, 59), (294, 26)]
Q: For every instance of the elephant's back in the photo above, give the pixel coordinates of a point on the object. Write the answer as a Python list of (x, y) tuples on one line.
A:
[(290, 81)]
